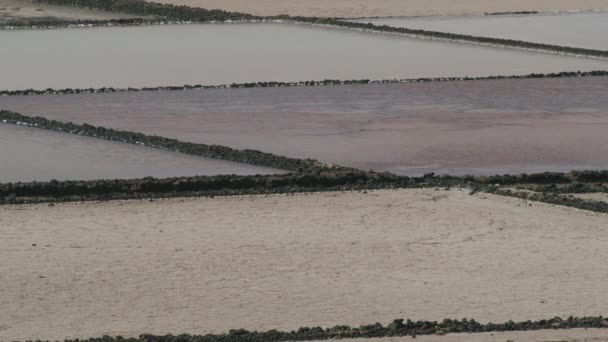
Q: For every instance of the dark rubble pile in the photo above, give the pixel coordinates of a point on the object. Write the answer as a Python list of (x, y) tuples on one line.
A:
[(398, 327), (575, 187), (209, 186), (145, 8), (546, 178), (274, 84)]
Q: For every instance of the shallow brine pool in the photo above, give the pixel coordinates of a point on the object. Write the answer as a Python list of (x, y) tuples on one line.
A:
[(478, 127), (226, 53), (32, 154), (582, 30)]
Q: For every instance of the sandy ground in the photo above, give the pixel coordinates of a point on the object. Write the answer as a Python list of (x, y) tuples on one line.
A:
[(209, 265), (370, 8), (26, 10)]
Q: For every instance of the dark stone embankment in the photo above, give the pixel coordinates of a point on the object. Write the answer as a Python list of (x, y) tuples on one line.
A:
[(399, 327), (513, 13), (307, 176), (210, 151), (273, 84), (149, 8)]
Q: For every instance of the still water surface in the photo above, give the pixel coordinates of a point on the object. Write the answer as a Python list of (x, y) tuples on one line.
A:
[(28, 154), (479, 127), (227, 53), (584, 30)]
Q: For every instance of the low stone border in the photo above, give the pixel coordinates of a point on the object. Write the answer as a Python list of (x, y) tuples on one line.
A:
[(574, 187), (150, 8), (554, 198), (512, 13), (253, 157), (55, 24), (548, 187), (512, 43), (210, 186), (546, 178), (398, 327), (271, 84), (195, 14), (309, 175)]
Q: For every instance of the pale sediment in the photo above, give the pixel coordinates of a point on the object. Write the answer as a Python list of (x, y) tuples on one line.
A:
[(282, 262)]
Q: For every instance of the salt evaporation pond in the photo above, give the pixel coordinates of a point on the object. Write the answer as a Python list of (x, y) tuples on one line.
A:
[(227, 53), (584, 30), (32, 154), (477, 127)]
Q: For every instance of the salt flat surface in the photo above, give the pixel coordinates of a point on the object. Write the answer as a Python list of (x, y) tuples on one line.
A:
[(384, 8), (566, 29), (265, 262), (31, 154), (226, 53), (478, 127)]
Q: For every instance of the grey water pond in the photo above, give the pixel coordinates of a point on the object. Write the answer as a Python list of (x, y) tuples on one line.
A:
[(32, 154), (583, 30), (477, 127), (226, 53)]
